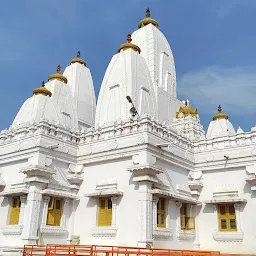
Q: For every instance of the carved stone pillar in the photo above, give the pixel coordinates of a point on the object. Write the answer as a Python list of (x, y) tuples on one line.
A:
[(23, 200), (65, 213), (215, 209), (71, 221), (145, 173), (30, 231), (155, 201), (37, 177), (46, 200), (178, 206), (114, 208), (145, 214), (196, 210), (238, 222)]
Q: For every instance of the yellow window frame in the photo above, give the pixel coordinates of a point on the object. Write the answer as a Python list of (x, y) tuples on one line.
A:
[(161, 213), (104, 217), (15, 211), (54, 211), (186, 222), (227, 216)]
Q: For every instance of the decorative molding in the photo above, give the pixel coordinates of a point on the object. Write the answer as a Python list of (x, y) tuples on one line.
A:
[(228, 236), (108, 187), (12, 230), (181, 198), (15, 189), (37, 173), (64, 194), (104, 232), (162, 233), (53, 230), (251, 177), (227, 193), (185, 234), (196, 187), (145, 172)]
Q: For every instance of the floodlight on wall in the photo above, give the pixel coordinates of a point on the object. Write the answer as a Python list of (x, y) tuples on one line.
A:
[(164, 145), (53, 146), (133, 110)]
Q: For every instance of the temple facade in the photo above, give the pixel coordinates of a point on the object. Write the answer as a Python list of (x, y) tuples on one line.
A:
[(135, 169)]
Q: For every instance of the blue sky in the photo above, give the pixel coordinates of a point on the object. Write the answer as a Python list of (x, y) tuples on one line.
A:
[(213, 43)]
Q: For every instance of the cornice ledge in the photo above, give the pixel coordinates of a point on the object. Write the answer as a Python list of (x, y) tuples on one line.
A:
[(53, 231), (162, 233), (185, 234), (64, 194), (37, 170), (251, 179), (12, 230), (104, 232), (180, 198), (142, 169), (105, 192), (15, 191), (228, 236)]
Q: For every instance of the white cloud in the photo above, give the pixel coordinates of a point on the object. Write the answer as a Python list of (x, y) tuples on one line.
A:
[(233, 88)]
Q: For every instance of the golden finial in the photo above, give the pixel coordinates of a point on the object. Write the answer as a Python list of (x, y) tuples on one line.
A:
[(129, 45), (42, 90), (129, 38), (220, 115), (78, 59), (148, 20), (147, 13), (58, 76), (187, 110), (58, 69)]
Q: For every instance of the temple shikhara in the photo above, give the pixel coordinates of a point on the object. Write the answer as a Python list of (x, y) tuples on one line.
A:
[(134, 169)]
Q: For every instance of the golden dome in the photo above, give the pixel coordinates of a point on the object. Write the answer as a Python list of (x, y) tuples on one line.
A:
[(186, 111), (129, 45), (78, 59), (148, 20), (58, 76), (220, 115), (42, 90)]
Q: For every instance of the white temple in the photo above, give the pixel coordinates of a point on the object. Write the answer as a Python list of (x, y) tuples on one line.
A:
[(135, 169)]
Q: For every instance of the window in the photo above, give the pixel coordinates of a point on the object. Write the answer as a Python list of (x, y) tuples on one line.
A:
[(227, 218), (54, 211), (161, 213), (105, 211), (186, 222), (15, 211)]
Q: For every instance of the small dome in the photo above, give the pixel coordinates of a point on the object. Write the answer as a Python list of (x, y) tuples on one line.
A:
[(129, 45), (127, 75), (58, 76), (158, 55), (219, 115), (239, 130), (36, 109), (42, 90), (81, 84), (220, 126), (186, 110), (78, 60), (147, 20)]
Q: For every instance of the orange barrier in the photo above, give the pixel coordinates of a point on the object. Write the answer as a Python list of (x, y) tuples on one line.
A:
[(102, 250)]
